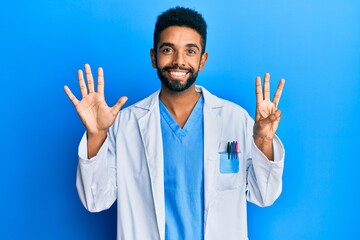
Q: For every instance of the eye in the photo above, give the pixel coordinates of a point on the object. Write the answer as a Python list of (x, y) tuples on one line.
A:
[(167, 50), (191, 51)]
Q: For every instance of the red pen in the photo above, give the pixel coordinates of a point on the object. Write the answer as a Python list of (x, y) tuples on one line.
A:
[(236, 149)]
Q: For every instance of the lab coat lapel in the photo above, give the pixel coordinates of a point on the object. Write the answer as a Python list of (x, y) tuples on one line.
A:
[(212, 133), (150, 130)]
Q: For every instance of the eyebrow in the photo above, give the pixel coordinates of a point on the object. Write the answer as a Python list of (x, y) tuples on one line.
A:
[(167, 44)]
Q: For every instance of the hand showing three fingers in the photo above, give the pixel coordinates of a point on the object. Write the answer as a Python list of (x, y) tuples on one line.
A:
[(94, 112), (267, 115)]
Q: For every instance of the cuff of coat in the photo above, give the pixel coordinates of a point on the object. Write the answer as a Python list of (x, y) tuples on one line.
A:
[(279, 152), (82, 151)]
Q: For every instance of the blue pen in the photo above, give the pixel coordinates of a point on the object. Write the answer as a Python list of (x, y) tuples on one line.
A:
[(233, 149)]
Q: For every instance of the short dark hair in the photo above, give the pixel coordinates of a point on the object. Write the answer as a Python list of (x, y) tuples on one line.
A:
[(182, 17)]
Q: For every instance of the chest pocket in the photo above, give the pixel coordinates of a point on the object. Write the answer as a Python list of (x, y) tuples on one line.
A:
[(228, 165), (228, 170)]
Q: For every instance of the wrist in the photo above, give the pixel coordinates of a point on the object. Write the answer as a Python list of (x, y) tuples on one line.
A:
[(96, 135), (262, 140)]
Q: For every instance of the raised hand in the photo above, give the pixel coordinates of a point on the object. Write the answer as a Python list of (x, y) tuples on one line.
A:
[(94, 112), (267, 115)]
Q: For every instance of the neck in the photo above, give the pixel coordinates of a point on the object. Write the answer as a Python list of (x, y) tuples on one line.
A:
[(180, 104)]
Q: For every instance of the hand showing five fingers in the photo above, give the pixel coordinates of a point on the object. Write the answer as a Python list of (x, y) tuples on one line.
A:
[(267, 115), (94, 112)]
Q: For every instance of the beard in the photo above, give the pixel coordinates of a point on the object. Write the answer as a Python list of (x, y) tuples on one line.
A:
[(177, 86)]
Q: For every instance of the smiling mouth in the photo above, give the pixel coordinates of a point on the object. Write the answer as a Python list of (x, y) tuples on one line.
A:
[(177, 74)]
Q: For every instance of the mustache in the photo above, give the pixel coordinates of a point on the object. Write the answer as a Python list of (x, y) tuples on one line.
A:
[(167, 68)]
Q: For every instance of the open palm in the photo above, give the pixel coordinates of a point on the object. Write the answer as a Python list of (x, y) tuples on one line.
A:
[(94, 112)]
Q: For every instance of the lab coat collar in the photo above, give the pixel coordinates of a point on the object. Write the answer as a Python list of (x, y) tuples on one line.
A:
[(153, 100)]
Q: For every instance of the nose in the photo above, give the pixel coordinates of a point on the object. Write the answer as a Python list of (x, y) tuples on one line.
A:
[(178, 59)]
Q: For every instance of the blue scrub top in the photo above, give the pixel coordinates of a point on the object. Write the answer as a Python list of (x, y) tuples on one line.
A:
[(183, 174)]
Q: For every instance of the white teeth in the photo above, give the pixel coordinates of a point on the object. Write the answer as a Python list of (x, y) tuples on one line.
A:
[(178, 74)]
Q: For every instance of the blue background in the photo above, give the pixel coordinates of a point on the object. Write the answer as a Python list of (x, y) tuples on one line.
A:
[(313, 44)]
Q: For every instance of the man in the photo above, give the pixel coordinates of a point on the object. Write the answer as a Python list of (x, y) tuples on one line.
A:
[(182, 162)]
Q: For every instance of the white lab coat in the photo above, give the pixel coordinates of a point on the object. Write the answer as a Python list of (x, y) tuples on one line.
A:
[(129, 168)]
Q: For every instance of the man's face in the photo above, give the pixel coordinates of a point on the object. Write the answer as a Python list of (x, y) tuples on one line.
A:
[(178, 57)]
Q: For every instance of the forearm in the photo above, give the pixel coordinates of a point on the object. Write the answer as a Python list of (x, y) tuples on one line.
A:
[(96, 177), (264, 177), (265, 146), (94, 143)]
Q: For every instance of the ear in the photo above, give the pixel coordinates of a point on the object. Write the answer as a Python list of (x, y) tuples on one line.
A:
[(153, 58), (203, 59)]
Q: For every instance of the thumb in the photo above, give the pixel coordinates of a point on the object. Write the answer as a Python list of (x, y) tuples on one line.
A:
[(275, 116), (116, 108)]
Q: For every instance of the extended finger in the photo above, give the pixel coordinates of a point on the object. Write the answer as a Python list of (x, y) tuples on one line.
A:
[(258, 90), (100, 87), (267, 86), (89, 78), (278, 92), (82, 85), (71, 96), (116, 108)]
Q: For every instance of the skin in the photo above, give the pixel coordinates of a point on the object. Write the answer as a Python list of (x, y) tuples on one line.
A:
[(179, 48), (267, 116), (93, 111)]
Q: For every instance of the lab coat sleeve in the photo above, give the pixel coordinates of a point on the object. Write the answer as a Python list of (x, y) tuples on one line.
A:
[(96, 177), (264, 177)]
